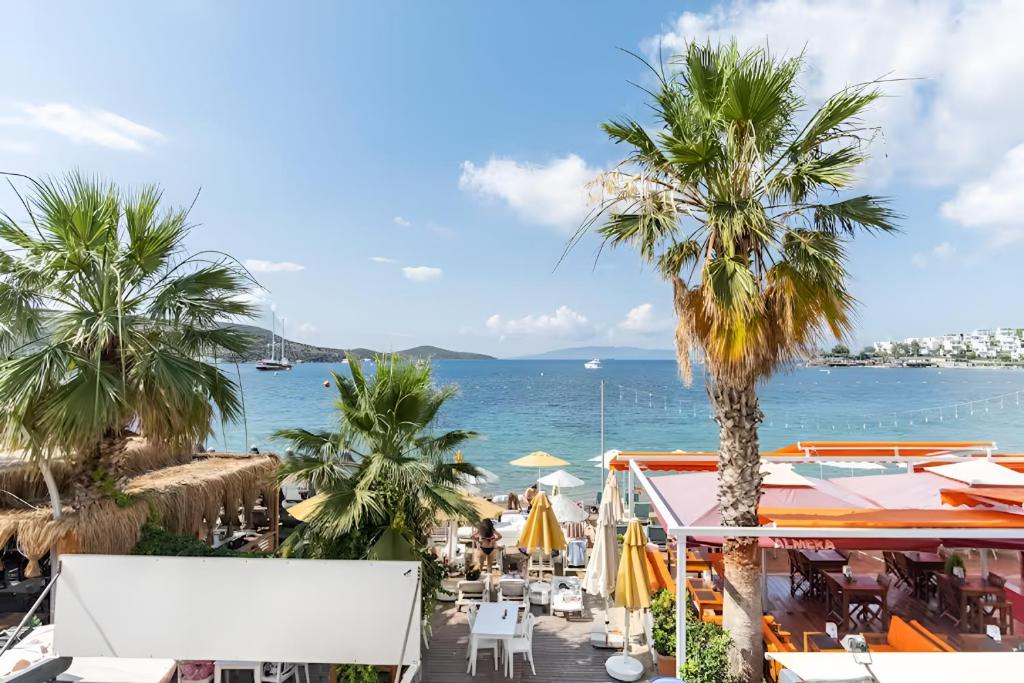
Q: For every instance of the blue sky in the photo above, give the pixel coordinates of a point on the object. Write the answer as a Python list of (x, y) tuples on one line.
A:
[(408, 173)]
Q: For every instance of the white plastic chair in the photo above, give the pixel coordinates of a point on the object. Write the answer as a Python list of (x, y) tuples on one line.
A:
[(539, 564), (514, 590), (473, 592), (521, 643), (476, 644)]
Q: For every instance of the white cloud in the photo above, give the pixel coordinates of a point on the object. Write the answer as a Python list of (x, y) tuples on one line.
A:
[(554, 194), (995, 203), (88, 126), (960, 112), (641, 319), (260, 266), (382, 259), (402, 222), (564, 322), (942, 251), (421, 273), (16, 147)]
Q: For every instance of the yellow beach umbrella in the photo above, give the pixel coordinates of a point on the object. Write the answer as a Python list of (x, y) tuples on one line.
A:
[(633, 583), (539, 459), (484, 508), (542, 531)]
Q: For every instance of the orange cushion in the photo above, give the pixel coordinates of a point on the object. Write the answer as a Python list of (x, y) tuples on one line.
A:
[(905, 638), (882, 648), (935, 640)]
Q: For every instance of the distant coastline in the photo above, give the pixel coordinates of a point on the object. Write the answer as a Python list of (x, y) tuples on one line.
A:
[(308, 353)]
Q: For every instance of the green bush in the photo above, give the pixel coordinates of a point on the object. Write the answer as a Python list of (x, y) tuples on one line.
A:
[(663, 611), (155, 540), (357, 673), (707, 649)]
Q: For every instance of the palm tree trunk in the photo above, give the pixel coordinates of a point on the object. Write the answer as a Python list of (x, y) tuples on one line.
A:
[(739, 491), (56, 506)]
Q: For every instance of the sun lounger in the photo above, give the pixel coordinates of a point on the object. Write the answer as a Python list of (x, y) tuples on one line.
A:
[(566, 595), (472, 592)]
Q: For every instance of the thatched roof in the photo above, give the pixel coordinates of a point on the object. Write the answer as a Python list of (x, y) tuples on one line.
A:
[(185, 499)]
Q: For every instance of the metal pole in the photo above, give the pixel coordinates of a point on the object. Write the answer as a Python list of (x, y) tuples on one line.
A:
[(629, 494), (604, 464), (28, 615), (680, 600)]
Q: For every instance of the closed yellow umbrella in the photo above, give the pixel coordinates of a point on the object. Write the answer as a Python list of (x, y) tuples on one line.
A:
[(539, 459), (633, 583), (542, 531)]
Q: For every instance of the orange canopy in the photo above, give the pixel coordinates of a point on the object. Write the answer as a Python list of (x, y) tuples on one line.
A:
[(897, 519), (677, 461), (983, 495)]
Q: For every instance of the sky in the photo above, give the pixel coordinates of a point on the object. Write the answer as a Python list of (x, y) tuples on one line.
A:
[(405, 173)]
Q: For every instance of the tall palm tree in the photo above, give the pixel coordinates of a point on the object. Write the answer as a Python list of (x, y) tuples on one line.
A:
[(105, 321), (736, 200), (383, 473)]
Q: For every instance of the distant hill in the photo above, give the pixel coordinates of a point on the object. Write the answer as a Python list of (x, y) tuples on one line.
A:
[(604, 353), (309, 353)]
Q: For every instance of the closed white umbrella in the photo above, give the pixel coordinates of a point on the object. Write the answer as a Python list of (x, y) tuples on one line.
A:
[(560, 479), (604, 558), (567, 510), (611, 490)]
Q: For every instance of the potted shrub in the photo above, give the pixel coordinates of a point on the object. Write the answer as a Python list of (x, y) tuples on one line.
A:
[(953, 562), (663, 632), (707, 650), (195, 670)]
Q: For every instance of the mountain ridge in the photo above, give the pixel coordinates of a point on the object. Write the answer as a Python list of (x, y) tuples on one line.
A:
[(311, 353)]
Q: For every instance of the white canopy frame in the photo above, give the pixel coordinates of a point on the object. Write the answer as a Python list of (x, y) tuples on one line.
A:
[(681, 532)]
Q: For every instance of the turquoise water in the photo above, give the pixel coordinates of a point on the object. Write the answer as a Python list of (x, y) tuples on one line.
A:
[(522, 406)]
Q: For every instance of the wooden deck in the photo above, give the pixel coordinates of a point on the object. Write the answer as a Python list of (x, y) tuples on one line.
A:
[(561, 649)]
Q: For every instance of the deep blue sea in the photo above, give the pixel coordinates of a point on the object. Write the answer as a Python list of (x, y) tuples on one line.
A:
[(523, 406)]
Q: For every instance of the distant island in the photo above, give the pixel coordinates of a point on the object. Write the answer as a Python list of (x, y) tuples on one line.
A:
[(308, 353), (603, 353)]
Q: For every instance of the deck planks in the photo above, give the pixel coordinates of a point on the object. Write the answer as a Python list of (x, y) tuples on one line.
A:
[(561, 650)]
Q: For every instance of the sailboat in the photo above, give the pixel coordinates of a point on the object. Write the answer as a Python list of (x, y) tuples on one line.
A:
[(273, 363)]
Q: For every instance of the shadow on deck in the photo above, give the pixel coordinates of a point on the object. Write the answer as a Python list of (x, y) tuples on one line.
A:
[(561, 649)]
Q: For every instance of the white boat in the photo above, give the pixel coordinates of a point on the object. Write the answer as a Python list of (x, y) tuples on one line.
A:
[(594, 364), (274, 363)]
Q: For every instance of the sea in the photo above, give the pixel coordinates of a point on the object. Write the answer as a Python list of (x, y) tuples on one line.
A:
[(520, 406)]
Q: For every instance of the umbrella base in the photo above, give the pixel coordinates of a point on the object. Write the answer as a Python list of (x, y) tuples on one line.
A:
[(624, 668)]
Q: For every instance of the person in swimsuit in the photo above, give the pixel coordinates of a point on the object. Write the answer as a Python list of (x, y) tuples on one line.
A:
[(513, 502), (486, 537), (530, 494)]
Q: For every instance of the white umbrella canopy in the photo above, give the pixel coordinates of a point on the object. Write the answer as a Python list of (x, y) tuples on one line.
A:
[(560, 479), (483, 476), (604, 459), (567, 510), (603, 566)]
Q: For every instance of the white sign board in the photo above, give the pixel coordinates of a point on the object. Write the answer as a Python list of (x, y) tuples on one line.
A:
[(259, 609)]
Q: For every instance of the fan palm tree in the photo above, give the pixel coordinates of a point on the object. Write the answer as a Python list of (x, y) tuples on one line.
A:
[(384, 473), (735, 200), (105, 319)]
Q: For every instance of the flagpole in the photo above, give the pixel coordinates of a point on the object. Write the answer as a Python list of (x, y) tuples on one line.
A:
[(604, 465)]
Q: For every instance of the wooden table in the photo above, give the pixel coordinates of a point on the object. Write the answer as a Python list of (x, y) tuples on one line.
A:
[(704, 596), (697, 562), (821, 642), (972, 591), (820, 562), (979, 642), (920, 567), (841, 592)]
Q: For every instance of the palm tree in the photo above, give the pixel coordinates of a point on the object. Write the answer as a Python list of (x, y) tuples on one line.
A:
[(105, 319), (735, 200), (384, 474)]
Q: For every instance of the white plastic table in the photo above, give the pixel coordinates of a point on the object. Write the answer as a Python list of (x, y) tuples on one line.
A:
[(495, 620)]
